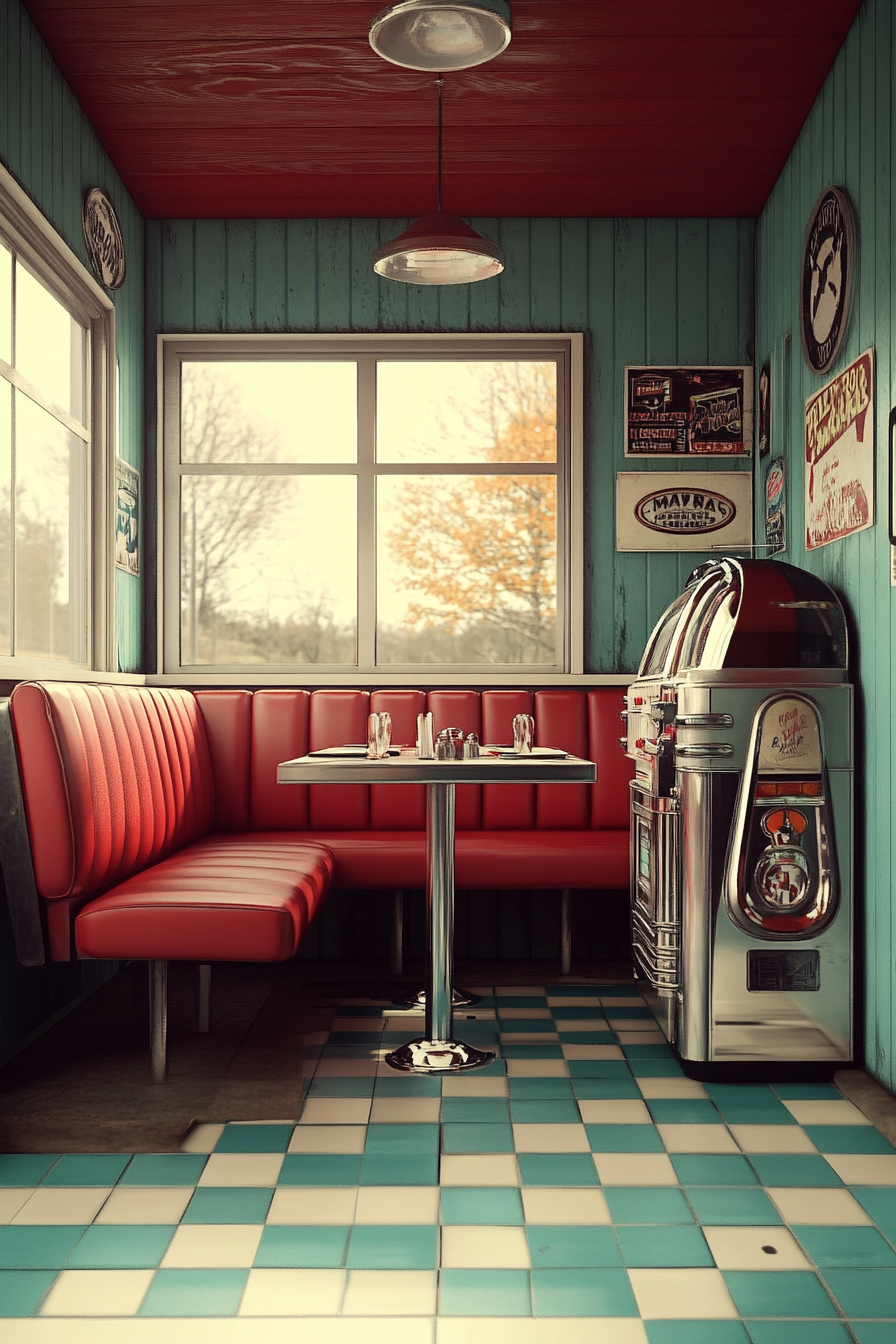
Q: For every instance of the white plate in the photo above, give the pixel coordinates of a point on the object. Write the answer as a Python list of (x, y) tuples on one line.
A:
[(549, 752), (352, 752)]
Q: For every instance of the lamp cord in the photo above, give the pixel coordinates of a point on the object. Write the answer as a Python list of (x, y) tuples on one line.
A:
[(440, 83)]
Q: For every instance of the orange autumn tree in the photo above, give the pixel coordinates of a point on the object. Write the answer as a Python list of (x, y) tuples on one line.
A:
[(479, 552)]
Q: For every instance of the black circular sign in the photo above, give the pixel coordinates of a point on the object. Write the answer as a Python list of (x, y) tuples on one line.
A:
[(102, 234), (826, 280)]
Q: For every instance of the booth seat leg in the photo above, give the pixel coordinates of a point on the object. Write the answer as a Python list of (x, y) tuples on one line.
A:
[(565, 931), (204, 1000), (396, 951), (158, 1020)]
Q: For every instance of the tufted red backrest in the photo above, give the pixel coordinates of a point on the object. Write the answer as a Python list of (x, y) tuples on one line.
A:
[(114, 778)]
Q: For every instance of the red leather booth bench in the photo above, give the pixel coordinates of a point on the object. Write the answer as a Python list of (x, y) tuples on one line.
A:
[(151, 825)]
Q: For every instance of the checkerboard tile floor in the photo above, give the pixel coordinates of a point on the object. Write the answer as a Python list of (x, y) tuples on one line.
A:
[(581, 1176)]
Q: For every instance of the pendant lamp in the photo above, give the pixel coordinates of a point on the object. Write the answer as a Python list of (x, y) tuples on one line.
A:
[(440, 35), (439, 249)]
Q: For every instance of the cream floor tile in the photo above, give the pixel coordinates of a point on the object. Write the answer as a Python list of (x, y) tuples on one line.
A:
[(313, 1204), (574, 1001), (754, 1248), (619, 1001), (681, 1294), (635, 1169), (666, 1088), (550, 1139), (640, 1037), (402, 1204), (97, 1292), (328, 1139), (202, 1139), (519, 991), (529, 1037), (336, 1111), (54, 1205), (536, 1068), (533, 1014), (153, 1204), (543, 1330), (347, 1068), (221, 1330), (773, 1139), (826, 1113), (484, 1248), (582, 1024), (863, 1169), (818, 1205), (242, 1169), (564, 1207), (697, 1139), (468, 1085), (614, 1113), (213, 1246), (11, 1200), (314, 1037), (591, 1052), (380, 1292), (293, 1292), (405, 1110), (478, 1169), (248, 1124)]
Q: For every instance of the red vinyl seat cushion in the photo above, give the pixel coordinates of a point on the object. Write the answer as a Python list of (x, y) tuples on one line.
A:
[(226, 898)]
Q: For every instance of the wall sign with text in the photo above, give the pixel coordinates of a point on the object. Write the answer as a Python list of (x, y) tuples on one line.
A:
[(839, 439), (688, 412), (683, 510)]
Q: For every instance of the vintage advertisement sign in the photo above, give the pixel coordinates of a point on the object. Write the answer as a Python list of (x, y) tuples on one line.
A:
[(839, 439), (683, 511), (775, 538), (684, 412), (127, 517), (789, 738)]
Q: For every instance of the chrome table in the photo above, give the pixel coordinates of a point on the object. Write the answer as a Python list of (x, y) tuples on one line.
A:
[(437, 1051)]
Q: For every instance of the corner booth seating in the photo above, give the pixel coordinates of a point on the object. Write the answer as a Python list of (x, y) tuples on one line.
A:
[(151, 825)]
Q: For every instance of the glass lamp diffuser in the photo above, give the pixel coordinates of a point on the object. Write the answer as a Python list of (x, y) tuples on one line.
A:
[(453, 35), (439, 249)]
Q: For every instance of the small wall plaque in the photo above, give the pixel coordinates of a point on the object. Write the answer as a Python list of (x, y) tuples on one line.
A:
[(826, 280), (102, 234)]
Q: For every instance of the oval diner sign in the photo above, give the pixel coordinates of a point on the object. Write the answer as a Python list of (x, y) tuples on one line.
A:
[(680, 512), (102, 234)]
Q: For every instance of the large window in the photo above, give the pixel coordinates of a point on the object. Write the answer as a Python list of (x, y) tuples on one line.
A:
[(53, 337), (371, 504)]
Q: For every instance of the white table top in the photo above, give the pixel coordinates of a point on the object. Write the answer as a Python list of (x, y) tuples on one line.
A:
[(407, 769)]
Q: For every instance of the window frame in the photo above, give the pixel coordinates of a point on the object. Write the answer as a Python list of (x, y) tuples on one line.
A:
[(566, 348), (44, 253)]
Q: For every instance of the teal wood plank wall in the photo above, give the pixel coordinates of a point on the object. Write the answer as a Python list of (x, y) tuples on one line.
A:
[(849, 140), (644, 291), (49, 147)]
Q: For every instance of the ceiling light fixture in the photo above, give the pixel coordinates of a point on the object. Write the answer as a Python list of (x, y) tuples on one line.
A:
[(451, 35), (439, 249)]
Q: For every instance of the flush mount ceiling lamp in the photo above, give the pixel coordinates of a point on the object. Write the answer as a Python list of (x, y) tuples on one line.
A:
[(451, 35), (439, 249)]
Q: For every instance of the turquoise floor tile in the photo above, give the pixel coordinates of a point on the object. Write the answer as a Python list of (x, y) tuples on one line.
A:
[(599, 1068), (848, 1139), (586, 1013), (344, 1052), (491, 1206), (732, 1206), (798, 1332), (105, 1246), (880, 1202), (408, 1085), (664, 1248), (748, 1104), (481, 1110), (668, 1067), (254, 1139), (484, 1292), (530, 1050), (226, 1204), (319, 1247), (536, 1025), (647, 1204), (578, 1247), (713, 1169), (390, 1169), (475, 1138), (540, 1089), (320, 1169), (864, 1292), (587, 1037), (606, 1089), (794, 1169), (788, 1292), (846, 1247), (639, 1052), (164, 1169), (873, 1332), (807, 1092), (393, 1247), (582, 1292), (24, 1169), (624, 1139), (88, 1169), (342, 1087), (195, 1292), (397, 1140), (634, 1014), (695, 1332), (497, 1068), (23, 1290), (37, 1247), (683, 1112), (557, 1169), (521, 1001), (545, 1113)]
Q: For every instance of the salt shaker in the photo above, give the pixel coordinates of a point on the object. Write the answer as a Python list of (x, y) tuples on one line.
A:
[(471, 747)]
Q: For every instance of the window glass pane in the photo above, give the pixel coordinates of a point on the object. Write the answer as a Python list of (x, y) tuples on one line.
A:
[(5, 491), (5, 303), (268, 569), (271, 411), (466, 411), (49, 344), (467, 569), (49, 523)]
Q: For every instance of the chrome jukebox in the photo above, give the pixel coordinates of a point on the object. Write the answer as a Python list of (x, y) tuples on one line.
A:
[(740, 726)]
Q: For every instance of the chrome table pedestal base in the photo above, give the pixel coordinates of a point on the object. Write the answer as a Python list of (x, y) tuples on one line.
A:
[(460, 998), (422, 1056)]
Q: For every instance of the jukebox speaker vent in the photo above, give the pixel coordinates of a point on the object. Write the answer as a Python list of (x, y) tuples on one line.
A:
[(794, 971)]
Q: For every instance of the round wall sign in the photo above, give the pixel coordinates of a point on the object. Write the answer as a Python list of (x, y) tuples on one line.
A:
[(826, 280), (102, 234)]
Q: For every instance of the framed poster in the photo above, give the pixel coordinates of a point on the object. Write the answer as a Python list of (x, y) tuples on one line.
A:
[(127, 517), (839, 440), (764, 411), (775, 536), (688, 412), (683, 510)]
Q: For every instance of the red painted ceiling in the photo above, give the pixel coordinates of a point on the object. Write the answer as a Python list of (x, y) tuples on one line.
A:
[(272, 108)]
